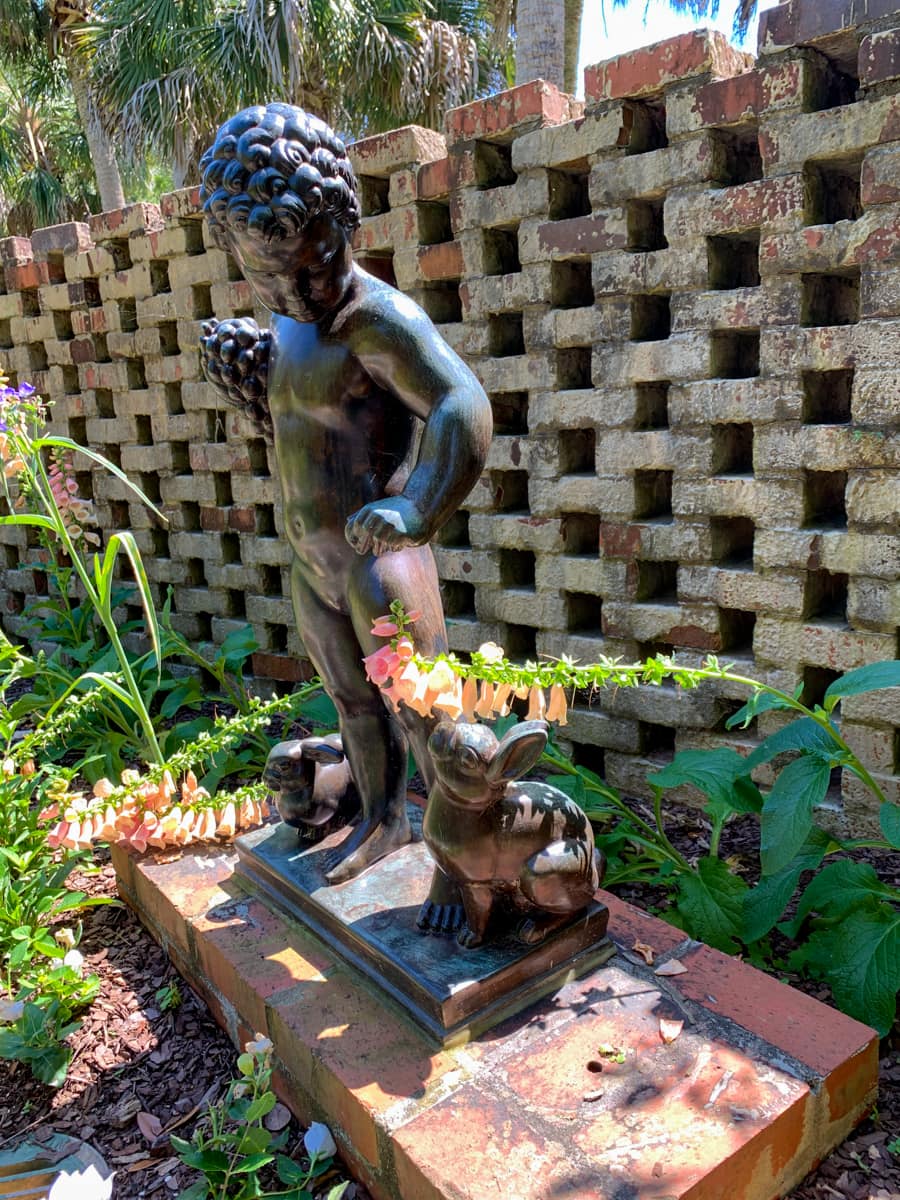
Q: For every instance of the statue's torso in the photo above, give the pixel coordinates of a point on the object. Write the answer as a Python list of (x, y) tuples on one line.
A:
[(340, 441)]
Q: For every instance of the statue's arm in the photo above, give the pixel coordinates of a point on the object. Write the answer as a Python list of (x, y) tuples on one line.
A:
[(234, 357), (405, 354)]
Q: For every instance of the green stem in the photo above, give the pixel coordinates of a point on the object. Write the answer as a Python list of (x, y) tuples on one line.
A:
[(42, 486), (661, 833)]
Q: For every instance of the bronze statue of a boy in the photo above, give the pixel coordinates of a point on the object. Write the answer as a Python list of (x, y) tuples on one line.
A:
[(344, 377)]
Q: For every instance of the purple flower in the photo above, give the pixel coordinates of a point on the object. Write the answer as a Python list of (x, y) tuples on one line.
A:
[(25, 390)]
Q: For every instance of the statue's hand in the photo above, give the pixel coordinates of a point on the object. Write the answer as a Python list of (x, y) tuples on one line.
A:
[(384, 525), (234, 357)]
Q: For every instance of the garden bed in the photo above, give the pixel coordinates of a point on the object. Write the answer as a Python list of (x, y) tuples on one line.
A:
[(131, 1057)]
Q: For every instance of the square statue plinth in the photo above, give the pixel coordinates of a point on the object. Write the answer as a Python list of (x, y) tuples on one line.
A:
[(370, 922)]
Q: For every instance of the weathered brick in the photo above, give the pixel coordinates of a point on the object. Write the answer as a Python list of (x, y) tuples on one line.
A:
[(517, 111), (647, 71)]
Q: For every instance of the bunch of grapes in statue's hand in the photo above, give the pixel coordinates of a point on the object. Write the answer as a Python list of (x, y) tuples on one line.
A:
[(234, 357)]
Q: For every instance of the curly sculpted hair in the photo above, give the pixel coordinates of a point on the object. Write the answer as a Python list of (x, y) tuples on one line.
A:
[(271, 169)]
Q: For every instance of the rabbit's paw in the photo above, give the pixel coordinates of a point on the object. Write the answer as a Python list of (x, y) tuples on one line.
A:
[(441, 920), (468, 938), (532, 930)]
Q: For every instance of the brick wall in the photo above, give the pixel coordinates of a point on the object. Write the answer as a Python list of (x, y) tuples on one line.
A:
[(683, 298)]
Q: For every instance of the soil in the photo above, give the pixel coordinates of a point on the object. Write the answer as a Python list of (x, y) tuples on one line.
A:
[(131, 1058)]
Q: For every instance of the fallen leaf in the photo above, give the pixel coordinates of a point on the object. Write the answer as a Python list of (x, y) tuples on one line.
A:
[(657, 1170), (669, 1030), (646, 952), (673, 967), (590, 1097), (149, 1125), (277, 1118), (142, 1164)]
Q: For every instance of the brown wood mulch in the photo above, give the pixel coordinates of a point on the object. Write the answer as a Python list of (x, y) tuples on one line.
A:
[(130, 1057)]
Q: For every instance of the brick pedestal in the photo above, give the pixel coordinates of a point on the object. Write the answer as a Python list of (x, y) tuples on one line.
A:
[(579, 1096)]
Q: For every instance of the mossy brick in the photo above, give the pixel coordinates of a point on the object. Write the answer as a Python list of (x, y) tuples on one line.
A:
[(575, 142), (743, 590), (806, 22), (648, 71), (873, 499), (775, 204), (782, 641), (683, 267), (383, 153), (500, 117), (590, 725), (169, 242), (789, 139), (682, 164), (759, 401)]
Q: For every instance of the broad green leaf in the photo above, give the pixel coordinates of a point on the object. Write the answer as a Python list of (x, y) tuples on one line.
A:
[(50, 1064), (261, 1105), (320, 712), (805, 736), (786, 817), (889, 819), (288, 1171), (837, 890), (764, 904), (759, 702), (64, 443), (253, 1162), (198, 1190), (860, 959), (338, 1190), (208, 1161), (864, 679), (712, 771), (179, 1144), (711, 902)]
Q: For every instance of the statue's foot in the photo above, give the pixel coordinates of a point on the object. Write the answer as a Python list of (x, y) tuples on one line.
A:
[(442, 920), (369, 842)]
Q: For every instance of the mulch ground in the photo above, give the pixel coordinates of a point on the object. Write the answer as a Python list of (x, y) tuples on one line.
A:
[(132, 1058)]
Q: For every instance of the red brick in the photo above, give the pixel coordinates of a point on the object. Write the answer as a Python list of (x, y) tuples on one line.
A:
[(249, 953), (879, 57), (183, 203), (213, 520), (649, 70), (529, 106), (443, 261), (82, 350), (73, 237), (15, 250), (880, 181), (279, 666), (579, 235), (172, 890), (725, 101), (800, 22), (818, 1036), (629, 924), (120, 222), (241, 519), (433, 179), (22, 277), (359, 1060)]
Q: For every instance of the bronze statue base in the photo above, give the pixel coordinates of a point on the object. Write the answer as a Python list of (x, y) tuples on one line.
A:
[(370, 922)]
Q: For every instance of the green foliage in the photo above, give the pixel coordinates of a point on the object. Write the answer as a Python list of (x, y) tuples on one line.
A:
[(848, 920), (232, 1146), (168, 997)]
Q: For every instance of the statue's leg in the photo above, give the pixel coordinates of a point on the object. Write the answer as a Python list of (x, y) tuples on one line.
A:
[(374, 743), (409, 576)]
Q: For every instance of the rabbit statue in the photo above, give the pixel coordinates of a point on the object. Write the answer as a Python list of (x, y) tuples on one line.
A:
[(523, 849), (312, 785)]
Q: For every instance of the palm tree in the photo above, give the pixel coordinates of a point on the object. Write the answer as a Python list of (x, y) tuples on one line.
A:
[(45, 168), (548, 33), (168, 71), (34, 31)]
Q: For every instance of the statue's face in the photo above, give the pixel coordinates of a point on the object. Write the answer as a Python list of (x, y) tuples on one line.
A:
[(301, 276)]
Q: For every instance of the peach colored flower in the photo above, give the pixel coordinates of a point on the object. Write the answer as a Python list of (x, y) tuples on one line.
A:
[(449, 700), (536, 704), (104, 788), (50, 813), (57, 834), (227, 821), (381, 665), (556, 709), (469, 698), (384, 627), (405, 649), (28, 768), (485, 700), (501, 701), (491, 652)]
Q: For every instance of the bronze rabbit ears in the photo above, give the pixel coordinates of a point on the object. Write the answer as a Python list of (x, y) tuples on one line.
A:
[(473, 765)]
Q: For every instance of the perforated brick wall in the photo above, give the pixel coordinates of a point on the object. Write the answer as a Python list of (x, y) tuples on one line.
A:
[(683, 299)]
